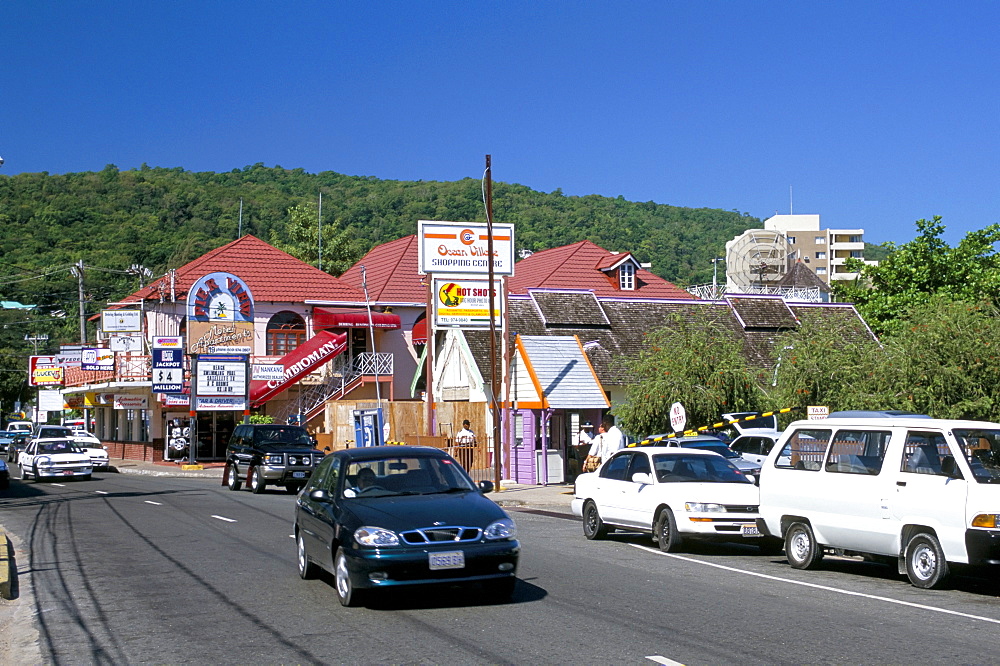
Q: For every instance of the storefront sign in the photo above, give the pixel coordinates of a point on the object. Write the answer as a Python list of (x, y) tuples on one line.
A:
[(220, 403), (50, 400), (168, 342), (175, 400), (220, 316), (45, 371), (121, 321), (222, 375), (462, 303), (125, 343), (97, 359), (267, 373), (463, 247), (131, 401)]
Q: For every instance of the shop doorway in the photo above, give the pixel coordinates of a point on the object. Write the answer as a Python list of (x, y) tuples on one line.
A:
[(214, 430)]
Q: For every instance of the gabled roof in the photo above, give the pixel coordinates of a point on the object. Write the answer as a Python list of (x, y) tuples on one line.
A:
[(582, 265), (392, 273), (271, 274), (561, 372), (801, 275)]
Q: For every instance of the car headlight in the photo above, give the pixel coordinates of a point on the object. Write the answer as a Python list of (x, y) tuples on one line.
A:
[(376, 537), (501, 529), (991, 520), (273, 459), (43, 461), (703, 507)]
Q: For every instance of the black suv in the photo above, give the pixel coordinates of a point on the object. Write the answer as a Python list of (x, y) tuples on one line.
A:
[(270, 453)]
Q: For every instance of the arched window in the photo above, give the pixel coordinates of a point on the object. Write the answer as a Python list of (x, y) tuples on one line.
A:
[(285, 332)]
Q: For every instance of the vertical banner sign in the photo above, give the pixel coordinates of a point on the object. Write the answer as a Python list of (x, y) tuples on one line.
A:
[(462, 247), (168, 371), (222, 382), (220, 316)]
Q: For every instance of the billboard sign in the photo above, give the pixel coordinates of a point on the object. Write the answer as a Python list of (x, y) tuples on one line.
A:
[(168, 370), (220, 315), (100, 359), (125, 343), (464, 303), (45, 371), (463, 247), (121, 321)]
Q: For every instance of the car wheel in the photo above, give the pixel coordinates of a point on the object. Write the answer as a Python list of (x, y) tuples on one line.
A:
[(770, 545), (257, 483), (34, 474), (667, 536), (346, 594), (925, 563), (307, 569), (801, 548), (21, 468), (5, 484), (235, 483), (292, 488), (500, 590), (593, 526)]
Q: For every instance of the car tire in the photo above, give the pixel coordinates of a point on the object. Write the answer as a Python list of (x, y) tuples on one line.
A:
[(593, 525), (500, 590), (925, 564), (257, 482), (801, 548), (292, 488), (347, 595), (665, 530), (307, 569), (5, 484), (770, 545), (34, 474), (235, 482)]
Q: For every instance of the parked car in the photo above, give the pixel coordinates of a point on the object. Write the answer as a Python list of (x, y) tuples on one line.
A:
[(92, 447), (5, 439), (382, 517), (54, 457), (674, 493), (43, 431), (4, 476), (17, 444), (20, 426), (920, 493), (706, 443), (755, 445), (270, 453)]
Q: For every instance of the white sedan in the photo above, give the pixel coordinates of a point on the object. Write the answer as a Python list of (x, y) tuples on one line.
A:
[(673, 493), (54, 458), (92, 447)]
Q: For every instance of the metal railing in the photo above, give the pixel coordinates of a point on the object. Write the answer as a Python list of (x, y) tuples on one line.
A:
[(709, 292)]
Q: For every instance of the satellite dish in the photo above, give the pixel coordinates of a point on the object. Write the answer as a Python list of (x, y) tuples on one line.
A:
[(757, 259)]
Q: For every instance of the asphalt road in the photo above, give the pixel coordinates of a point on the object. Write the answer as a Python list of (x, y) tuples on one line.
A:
[(133, 569)]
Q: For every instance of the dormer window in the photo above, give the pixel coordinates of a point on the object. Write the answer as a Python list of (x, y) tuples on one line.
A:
[(626, 277)]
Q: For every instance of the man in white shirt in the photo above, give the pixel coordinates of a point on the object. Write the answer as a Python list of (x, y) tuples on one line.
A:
[(465, 436), (612, 439)]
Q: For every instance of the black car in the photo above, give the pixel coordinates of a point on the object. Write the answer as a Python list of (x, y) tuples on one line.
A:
[(380, 517), (17, 444), (270, 453)]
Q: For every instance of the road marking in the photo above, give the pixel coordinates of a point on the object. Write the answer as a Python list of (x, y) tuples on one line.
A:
[(59, 485), (819, 587), (101, 492), (663, 660), (153, 503), (228, 520)]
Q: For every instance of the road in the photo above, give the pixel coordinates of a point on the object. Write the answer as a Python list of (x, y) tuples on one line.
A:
[(132, 569)]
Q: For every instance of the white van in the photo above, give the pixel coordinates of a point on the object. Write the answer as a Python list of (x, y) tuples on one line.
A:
[(922, 492)]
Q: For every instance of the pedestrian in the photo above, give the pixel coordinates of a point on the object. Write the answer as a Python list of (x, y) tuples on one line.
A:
[(613, 438), (594, 456), (579, 451), (465, 436)]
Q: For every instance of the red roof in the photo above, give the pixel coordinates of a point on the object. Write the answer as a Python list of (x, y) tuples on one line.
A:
[(271, 274), (392, 273), (578, 266)]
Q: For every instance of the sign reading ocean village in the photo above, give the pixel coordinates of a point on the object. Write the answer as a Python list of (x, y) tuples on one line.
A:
[(463, 247), (220, 316)]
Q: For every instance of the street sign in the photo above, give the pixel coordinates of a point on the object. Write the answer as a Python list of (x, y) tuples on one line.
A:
[(678, 417), (817, 412)]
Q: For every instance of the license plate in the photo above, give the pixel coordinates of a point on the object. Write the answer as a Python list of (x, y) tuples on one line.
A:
[(449, 560), (751, 531), (68, 472), (298, 475)]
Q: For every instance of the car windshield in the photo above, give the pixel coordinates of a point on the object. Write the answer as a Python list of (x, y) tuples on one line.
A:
[(283, 436), (699, 469), (981, 448), (406, 475), (720, 448), (55, 431), (57, 447)]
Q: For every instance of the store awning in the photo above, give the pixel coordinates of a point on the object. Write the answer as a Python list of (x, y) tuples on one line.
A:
[(420, 332), (305, 358), (324, 319)]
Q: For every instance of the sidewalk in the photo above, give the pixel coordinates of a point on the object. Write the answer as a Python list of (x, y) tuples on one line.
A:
[(554, 497)]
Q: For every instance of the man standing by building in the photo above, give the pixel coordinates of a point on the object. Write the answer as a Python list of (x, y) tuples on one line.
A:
[(613, 438)]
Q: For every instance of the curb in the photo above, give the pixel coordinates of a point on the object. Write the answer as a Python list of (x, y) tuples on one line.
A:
[(204, 474), (4, 566)]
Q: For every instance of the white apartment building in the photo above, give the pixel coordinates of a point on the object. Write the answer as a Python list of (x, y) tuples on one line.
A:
[(825, 251)]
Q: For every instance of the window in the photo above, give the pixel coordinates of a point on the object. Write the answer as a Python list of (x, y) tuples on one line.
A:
[(820, 270), (858, 254), (626, 277), (856, 239), (616, 467), (804, 450), (821, 255), (858, 451), (820, 240), (285, 332), (791, 240), (925, 453)]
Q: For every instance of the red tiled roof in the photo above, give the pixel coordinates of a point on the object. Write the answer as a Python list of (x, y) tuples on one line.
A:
[(271, 274), (392, 273), (578, 266)]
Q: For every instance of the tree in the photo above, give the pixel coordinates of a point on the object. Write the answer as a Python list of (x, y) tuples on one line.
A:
[(300, 238), (700, 364), (925, 266)]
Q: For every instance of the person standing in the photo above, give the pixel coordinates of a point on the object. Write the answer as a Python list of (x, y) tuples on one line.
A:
[(612, 438), (579, 452), (465, 436)]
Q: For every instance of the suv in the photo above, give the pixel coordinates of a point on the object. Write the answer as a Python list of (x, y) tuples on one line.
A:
[(922, 493), (270, 453)]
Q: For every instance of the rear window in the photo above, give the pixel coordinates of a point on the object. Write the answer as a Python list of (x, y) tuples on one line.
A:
[(858, 451)]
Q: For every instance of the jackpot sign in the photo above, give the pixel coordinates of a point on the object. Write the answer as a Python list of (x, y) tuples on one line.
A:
[(463, 247)]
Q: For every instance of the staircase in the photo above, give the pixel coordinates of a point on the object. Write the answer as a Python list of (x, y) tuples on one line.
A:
[(342, 376)]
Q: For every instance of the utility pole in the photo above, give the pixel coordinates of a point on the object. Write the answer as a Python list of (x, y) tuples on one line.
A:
[(494, 375), (83, 310)]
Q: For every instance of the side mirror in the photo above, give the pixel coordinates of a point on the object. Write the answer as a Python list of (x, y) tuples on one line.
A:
[(643, 478), (319, 495), (485, 486)]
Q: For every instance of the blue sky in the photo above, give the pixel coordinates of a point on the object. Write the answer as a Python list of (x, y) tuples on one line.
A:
[(875, 114)]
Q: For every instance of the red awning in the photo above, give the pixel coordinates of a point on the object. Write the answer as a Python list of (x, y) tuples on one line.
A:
[(420, 332), (305, 358), (324, 319)]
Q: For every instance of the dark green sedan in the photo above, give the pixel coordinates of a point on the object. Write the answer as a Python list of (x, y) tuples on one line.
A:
[(380, 517)]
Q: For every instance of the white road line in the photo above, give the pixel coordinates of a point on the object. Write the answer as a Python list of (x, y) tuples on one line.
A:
[(849, 593), (663, 660), (153, 503), (101, 492), (228, 520), (59, 485)]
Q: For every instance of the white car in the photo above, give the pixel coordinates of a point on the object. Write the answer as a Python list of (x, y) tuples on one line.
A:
[(754, 445), (673, 493), (54, 458), (92, 447)]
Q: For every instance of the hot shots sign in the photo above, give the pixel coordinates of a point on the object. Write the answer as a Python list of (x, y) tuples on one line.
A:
[(462, 303), (220, 316)]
